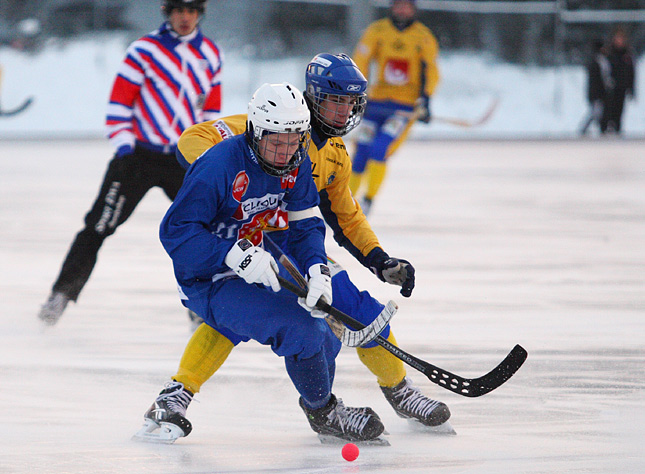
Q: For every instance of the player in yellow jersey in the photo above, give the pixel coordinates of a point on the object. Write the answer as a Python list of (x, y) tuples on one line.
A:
[(335, 94), (403, 53)]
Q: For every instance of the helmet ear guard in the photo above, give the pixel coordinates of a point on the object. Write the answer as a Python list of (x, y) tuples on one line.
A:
[(278, 109), (331, 81)]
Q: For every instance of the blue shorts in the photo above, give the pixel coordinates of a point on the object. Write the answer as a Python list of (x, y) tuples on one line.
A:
[(382, 124), (360, 305)]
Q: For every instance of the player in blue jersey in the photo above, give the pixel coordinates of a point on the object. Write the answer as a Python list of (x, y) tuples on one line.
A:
[(335, 95), (213, 234)]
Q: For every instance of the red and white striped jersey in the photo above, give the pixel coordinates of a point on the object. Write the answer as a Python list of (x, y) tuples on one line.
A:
[(165, 84)]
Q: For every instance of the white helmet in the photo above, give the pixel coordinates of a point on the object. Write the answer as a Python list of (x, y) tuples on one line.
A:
[(278, 108)]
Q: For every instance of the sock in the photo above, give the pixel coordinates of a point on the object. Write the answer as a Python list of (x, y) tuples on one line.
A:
[(375, 176), (204, 354), (389, 370), (311, 379)]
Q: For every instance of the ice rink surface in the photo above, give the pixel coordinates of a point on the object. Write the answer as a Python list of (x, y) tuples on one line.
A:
[(537, 243)]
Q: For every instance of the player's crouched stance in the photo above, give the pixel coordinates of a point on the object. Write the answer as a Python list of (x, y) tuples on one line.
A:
[(229, 195)]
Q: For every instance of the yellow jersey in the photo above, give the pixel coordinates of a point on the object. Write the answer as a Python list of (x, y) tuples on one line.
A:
[(331, 170), (405, 61)]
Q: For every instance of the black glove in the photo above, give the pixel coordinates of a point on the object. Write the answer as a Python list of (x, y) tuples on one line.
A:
[(423, 109), (395, 271)]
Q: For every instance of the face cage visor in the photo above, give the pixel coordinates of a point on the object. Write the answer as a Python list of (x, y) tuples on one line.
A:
[(274, 149), (337, 115)]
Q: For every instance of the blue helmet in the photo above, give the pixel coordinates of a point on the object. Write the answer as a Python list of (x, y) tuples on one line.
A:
[(337, 93)]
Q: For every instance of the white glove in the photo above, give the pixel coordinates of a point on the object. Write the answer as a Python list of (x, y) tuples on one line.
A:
[(253, 264), (319, 283)]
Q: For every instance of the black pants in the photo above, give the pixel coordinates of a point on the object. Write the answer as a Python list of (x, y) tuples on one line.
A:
[(126, 181), (613, 116)]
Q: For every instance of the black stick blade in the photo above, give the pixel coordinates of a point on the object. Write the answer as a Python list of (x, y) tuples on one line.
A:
[(484, 384)]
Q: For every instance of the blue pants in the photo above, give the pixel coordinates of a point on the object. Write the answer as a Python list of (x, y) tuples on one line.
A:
[(382, 123), (242, 311), (360, 305)]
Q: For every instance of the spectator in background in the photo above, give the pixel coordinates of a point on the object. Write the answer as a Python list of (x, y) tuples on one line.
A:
[(599, 84), (404, 52), (168, 81), (621, 58)]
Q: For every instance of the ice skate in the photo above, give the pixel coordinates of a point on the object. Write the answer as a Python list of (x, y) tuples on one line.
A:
[(195, 320), (166, 421), (408, 402), (335, 422), (53, 309)]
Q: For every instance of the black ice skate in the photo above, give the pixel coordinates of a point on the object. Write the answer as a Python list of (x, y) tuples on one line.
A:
[(165, 421), (408, 402), (336, 421), (53, 308)]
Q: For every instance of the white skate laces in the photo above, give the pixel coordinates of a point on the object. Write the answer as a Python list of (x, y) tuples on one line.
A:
[(177, 400), (348, 419), (409, 402)]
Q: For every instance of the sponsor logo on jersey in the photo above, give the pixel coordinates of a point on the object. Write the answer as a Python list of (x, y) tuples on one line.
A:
[(396, 72), (223, 129), (287, 182), (240, 185), (272, 219), (331, 178), (253, 206)]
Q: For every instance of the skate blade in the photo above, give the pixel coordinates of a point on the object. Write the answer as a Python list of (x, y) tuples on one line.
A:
[(442, 429), (164, 433), (334, 440)]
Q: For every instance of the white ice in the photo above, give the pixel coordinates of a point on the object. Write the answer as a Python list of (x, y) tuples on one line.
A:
[(537, 243)]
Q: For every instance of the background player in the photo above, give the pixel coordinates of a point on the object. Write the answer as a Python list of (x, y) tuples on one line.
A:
[(405, 54), (335, 94), (227, 198), (168, 81), (621, 59)]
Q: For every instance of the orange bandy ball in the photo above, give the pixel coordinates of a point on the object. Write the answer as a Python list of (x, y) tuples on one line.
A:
[(350, 452)]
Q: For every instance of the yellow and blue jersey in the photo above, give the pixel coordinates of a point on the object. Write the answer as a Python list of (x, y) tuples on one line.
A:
[(405, 61)]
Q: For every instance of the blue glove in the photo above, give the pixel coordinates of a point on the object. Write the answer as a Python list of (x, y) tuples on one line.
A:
[(123, 150), (423, 108)]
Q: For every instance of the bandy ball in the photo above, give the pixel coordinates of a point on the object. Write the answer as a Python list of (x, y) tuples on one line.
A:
[(350, 452)]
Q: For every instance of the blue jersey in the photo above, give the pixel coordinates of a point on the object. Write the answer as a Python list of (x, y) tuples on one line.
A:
[(227, 196)]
